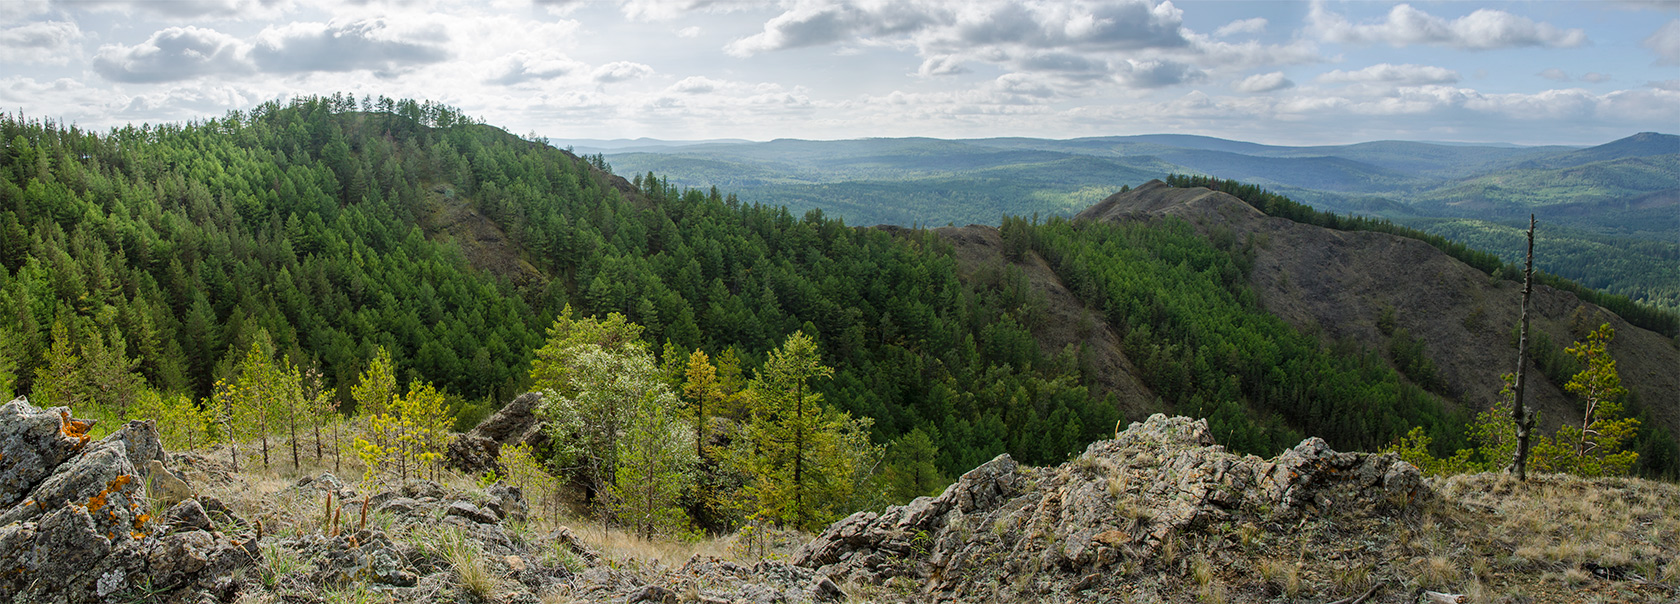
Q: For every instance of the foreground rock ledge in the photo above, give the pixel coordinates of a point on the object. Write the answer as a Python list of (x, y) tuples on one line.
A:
[(1054, 532), (76, 523)]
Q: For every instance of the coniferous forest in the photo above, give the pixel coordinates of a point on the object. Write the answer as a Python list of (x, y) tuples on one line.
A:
[(150, 261)]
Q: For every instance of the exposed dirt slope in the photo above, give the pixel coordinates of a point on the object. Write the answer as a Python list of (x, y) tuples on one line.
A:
[(1337, 284), (1070, 322)]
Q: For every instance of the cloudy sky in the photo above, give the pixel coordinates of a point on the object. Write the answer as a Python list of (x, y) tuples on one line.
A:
[(1277, 72)]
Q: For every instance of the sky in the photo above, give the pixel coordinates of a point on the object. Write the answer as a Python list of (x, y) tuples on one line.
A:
[(1298, 72)]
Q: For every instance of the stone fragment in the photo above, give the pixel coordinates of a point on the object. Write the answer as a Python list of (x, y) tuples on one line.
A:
[(652, 593), (164, 486), (470, 512), (188, 516)]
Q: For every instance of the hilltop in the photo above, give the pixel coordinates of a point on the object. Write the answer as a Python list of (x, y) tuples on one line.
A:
[(1341, 285)]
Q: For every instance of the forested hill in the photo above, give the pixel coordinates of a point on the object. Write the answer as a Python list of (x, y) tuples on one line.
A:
[(144, 262)]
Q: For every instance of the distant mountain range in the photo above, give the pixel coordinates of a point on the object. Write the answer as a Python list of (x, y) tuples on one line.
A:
[(1613, 210)]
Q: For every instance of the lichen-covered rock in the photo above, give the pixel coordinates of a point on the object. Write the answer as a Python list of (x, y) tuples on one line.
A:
[(1122, 499), (33, 442), (471, 512), (76, 525)]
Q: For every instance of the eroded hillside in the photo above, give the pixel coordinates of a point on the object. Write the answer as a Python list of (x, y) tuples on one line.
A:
[(1338, 285)]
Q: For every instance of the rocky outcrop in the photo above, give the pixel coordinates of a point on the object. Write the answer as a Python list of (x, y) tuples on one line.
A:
[(79, 525), (516, 423), (1055, 531)]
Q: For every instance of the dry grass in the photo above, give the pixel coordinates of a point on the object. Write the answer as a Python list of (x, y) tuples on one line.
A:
[(1563, 522), (467, 558), (621, 545), (1201, 570), (1436, 572), (1282, 575)]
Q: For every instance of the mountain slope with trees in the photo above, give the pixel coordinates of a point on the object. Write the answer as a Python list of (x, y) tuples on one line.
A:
[(1604, 197), (149, 263)]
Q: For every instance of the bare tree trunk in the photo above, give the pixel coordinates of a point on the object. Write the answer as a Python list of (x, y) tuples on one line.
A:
[(1519, 409), (291, 421)]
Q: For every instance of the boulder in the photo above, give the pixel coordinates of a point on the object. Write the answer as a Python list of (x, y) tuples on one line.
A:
[(1120, 499), (515, 423), (32, 443), (75, 527)]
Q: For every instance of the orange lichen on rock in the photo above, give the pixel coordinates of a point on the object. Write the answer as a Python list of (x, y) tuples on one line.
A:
[(75, 428), (98, 501)]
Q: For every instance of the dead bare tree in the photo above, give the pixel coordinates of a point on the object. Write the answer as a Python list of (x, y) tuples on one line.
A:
[(1520, 413)]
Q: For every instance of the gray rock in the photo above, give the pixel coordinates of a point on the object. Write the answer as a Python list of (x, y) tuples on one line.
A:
[(422, 489), (33, 442), (188, 516), (165, 486), (652, 593), (515, 423), (177, 559), (80, 532), (1120, 498), (507, 502), (470, 512)]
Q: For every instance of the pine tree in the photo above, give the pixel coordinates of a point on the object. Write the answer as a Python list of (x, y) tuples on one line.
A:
[(182, 425), (376, 387), (58, 379), (803, 458), (8, 365), (1595, 447), (255, 392)]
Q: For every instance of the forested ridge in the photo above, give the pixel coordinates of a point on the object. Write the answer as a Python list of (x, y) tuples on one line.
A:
[(153, 258), (1649, 316)]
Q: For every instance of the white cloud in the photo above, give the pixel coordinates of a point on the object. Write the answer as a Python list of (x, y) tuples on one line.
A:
[(188, 9), (180, 53), (378, 45), (1136, 43), (20, 10), (666, 10), (815, 24), (697, 85), (692, 31), (175, 53), (1666, 43), (1248, 55), (1243, 26), (51, 42), (1156, 74), (1484, 29), (1595, 77), (1554, 74), (1264, 82), (1385, 73), (620, 71), (525, 66)]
